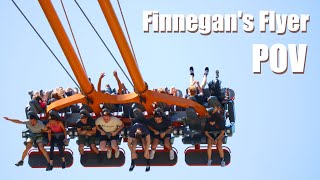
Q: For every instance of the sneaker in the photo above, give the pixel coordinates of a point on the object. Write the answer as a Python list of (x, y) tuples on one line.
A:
[(109, 154), (20, 163), (117, 154), (147, 168), (209, 162), (171, 154), (49, 167), (191, 71), (206, 71), (152, 154), (223, 163), (131, 167), (63, 165)]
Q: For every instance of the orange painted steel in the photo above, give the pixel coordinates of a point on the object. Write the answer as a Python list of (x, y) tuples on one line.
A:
[(123, 46), (97, 98), (65, 102), (66, 46)]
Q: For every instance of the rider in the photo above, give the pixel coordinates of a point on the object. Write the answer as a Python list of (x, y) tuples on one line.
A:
[(139, 132), (161, 128), (35, 127), (109, 127), (214, 130), (86, 129), (57, 135)]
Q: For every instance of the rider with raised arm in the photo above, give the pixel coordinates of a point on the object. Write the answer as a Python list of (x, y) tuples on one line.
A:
[(35, 127)]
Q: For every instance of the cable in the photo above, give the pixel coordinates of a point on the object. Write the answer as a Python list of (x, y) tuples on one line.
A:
[(74, 39), (46, 44), (104, 43), (125, 25)]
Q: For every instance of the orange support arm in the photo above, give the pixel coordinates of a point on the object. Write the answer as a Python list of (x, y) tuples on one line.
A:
[(66, 46), (123, 46)]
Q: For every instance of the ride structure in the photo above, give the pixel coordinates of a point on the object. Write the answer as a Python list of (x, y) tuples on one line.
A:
[(188, 122)]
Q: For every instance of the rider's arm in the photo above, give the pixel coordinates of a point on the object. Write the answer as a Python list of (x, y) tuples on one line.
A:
[(81, 132), (118, 82), (17, 121), (99, 129), (64, 130), (153, 130), (119, 128), (221, 134), (207, 134), (168, 131), (99, 83), (92, 131)]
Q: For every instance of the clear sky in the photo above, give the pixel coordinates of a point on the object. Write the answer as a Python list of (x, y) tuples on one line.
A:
[(277, 123)]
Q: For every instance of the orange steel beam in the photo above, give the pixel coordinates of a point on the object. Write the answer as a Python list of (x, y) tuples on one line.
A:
[(173, 100), (65, 102), (66, 46), (123, 46), (97, 98)]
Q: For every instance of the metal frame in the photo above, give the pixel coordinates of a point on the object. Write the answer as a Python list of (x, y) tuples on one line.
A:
[(90, 95)]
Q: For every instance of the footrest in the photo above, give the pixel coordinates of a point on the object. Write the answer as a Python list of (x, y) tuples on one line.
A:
[(37, 160), (90, 159), (161, 158), (199, 157)]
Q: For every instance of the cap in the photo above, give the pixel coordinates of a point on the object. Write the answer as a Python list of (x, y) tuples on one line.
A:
[(106, 112), (157, 114), (32, 117), (54, 115), (83, 115), (212, 118)]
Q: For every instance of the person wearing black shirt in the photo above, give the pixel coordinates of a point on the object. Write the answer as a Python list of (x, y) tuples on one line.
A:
[(161, 128), (214, 130), (139, 132), (86, 129)]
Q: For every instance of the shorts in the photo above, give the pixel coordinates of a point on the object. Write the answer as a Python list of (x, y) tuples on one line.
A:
[(58, 135), (158, 136), (90, 139), (214, 135), (109, 137), (35, 138)]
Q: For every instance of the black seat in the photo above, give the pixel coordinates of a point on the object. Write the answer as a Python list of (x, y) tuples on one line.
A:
[(199, 157), (37, 160), (90, 159), (161, 158)]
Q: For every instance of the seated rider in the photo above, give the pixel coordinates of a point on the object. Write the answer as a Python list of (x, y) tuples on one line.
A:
[(214, 130), (109, 127), (86, 129), (139, 133), (192, 94), (35, 127), (58, 135), (161, 128)]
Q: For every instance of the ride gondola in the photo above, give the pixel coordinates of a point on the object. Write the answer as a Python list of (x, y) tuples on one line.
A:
[(187, 117)]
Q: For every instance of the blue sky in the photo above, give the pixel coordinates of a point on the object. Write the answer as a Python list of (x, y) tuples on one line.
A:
[(276, 129)]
